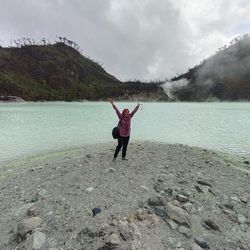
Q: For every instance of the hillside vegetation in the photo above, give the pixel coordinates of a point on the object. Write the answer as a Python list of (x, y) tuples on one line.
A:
[(60, 72)]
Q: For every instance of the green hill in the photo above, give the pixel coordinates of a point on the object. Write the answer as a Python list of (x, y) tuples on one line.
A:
[(59, 72)]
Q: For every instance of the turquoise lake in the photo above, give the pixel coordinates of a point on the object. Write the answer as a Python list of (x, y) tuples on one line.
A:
[(30, 128)]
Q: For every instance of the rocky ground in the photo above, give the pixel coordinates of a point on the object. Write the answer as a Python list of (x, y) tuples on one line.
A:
[(163, 197)]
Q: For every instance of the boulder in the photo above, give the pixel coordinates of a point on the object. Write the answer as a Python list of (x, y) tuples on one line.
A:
[(178, 214)]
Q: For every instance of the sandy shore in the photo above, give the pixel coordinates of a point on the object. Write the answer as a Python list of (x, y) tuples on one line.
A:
[(164, 197)]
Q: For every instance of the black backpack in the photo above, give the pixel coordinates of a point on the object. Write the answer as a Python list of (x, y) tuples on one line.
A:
[(115, 131)]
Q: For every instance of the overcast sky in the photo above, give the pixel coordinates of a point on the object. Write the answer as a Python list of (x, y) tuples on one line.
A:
[(134, 39)]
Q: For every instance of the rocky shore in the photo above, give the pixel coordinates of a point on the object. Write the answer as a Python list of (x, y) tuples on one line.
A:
[(11, 99), (163, 197)]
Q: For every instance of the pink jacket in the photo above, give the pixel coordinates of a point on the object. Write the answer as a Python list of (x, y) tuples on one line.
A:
[(125, 125)]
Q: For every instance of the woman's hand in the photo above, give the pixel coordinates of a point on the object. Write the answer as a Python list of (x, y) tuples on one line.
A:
[(110, 100)]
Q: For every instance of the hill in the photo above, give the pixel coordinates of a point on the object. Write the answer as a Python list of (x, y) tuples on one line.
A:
[(59, 72), (223, 76)]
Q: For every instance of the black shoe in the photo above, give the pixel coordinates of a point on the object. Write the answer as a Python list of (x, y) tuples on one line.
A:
[(124, 159)]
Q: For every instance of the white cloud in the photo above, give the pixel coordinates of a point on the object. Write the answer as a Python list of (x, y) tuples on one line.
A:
[(133, 38)]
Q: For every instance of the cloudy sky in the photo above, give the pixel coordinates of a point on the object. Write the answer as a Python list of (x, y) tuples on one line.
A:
[(134, 39)]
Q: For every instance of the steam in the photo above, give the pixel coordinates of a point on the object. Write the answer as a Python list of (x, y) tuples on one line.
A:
[(172, 87), (230, 63)]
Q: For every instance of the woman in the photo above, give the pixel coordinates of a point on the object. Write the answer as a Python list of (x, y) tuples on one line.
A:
[(124, 129)]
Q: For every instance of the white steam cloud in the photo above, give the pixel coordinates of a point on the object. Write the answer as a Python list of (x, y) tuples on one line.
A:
[(171, 87)]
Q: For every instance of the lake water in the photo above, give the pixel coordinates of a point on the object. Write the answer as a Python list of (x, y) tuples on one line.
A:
[(29, 128)]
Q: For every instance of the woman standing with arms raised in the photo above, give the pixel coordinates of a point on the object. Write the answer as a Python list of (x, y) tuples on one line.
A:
[(124, 129)]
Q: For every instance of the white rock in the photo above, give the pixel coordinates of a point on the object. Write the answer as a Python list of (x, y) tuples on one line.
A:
[(90, 189), (241, 218), (144, 188), (114, 239), (35, 241), (172, 224), (235, 198)]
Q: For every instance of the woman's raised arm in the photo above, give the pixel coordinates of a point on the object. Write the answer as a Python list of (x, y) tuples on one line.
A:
[(115, 108), (135, 109)]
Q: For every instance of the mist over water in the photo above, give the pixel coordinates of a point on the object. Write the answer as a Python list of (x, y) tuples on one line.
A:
[(28, 129)]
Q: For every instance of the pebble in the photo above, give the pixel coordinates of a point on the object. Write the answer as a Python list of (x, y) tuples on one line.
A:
[(114, 240), (241, 218), (27, 225), (204, 183), (124, 234), (90, 189), (182, 198), (153, 218), (211, 225), (156, 201), (189, 207), (172, 224), (244, 197), (201, 242), (185, 231), (33, 211), (35, 241), (235, 198), (230, 214), (144, 188), (194, 246)]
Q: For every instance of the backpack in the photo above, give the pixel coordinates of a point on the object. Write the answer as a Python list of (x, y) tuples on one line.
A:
[(115, 130)]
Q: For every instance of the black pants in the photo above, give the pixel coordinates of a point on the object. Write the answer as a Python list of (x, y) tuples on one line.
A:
[(122, 143)]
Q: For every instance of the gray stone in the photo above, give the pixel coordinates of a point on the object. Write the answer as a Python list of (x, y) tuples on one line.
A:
[(172, 224), (156, 201), (231, 215), (194, 246), (27, 225), (33, 211), (244, 197), (114, 240), (182, 198), (124, 234), (202, 189), (229, 205), (185, 231), (21, 211), (189, 207), (201, 242), (178, 214), (35, 241), (235, 198), (204, 183), (144, 188), (211, 225), (241, 218)]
